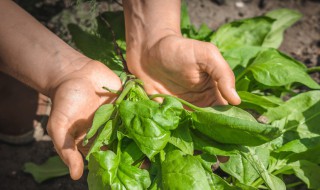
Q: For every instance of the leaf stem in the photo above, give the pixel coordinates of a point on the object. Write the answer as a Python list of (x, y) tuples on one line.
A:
[(313, 69), (195, 108), (128, 86), (294, 184), (111, 90)]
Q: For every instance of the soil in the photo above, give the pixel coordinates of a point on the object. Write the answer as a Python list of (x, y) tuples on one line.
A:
[(301, 41)]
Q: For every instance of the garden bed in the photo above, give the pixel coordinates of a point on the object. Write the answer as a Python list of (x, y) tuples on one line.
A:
[(302, 41)]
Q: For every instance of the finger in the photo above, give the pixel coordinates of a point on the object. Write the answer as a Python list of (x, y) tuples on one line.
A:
[(221, 73), (65, 144)]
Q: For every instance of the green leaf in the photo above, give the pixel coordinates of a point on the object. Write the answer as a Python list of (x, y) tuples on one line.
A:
[(182, 139), (101, 116), (52, 168), (288, 70), (243, 169), (180, 171), (243, 84), (236, 128), (215, 181), (284, 19), (306, 149), (256, 102), (106, 171), (294, 106), (245, 187), (260, 165), (102, 139), (308, 172), (241, 56), (149, 123), (299, 116), (131, 153), (247, 32), (184, 18), (205, 144)]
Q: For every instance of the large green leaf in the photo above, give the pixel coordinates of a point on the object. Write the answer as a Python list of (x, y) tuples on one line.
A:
[(247, 32), (233, 126), (106, 171), (207, 145), (149, 123), (308, 172), (284, 19), (297, 104), (306, 149), (256, 102), (260, 165), (52, 168), (299, 116), (242, 169), (182, 139), (272, 68), (181, 171), (241, 56)]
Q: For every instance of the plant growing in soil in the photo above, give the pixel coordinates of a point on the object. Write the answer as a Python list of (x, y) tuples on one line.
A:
[(179, 146)]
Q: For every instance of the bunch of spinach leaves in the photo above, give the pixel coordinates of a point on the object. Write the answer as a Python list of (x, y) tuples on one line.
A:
[(179, 146)]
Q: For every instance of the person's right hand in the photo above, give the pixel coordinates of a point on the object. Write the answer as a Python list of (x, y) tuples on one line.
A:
[(75, 98), (189, 69)]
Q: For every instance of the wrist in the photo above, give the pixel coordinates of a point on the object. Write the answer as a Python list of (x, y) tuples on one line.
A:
[(149, 21), (65, 66)]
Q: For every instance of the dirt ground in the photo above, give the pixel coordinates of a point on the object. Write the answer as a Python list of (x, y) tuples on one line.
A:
[(301, 41)]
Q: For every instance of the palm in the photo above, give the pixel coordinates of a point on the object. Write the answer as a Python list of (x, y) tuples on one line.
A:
[(74, 102)]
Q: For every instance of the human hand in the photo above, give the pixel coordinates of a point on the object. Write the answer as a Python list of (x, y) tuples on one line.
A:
[(189, 69), (75, 98)]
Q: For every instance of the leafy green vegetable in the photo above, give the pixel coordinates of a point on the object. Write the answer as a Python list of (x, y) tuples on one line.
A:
[(149, 123), (186, 171), (106, 171), (284, 19), (178, 148), (287, 70), (181, 138), (247, 32), (53, 167), (308, 172), (256, 102), (101, 116), (241, 168), (233, 130)]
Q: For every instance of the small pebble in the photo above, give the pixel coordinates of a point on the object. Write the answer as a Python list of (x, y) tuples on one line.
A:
[(239, 4)]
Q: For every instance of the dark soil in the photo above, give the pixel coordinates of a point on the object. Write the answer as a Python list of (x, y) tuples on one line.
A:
[(301, 41)]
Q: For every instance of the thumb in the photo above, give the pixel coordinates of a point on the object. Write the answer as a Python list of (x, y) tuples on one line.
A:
[(64, 143), (221, 74)]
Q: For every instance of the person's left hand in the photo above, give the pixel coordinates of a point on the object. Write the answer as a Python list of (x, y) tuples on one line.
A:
[(75, 99)]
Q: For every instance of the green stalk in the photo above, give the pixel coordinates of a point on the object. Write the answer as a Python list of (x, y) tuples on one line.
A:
[(128, 86), (141, 92), (294, 184), (313, 69), (111, 90), (195, 108)]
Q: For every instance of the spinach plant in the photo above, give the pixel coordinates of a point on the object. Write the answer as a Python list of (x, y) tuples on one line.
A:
[(154, 145)]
